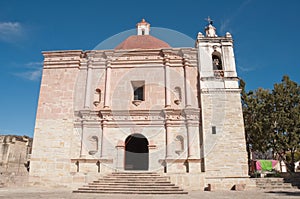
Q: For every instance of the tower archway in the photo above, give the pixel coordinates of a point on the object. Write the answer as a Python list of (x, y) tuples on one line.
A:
[(136, 152)]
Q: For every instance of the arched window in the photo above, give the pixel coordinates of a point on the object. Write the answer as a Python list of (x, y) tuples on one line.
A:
[(217, 61), (179, 144)]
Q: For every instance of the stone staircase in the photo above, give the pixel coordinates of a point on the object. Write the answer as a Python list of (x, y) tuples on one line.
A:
[(293, 178), (272, 183), (132, 183)]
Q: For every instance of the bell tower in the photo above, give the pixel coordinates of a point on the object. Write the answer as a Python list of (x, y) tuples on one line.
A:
[(224, 147), (216, 59)]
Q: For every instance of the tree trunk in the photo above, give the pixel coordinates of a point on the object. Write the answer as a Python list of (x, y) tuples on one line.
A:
[(292, 164)]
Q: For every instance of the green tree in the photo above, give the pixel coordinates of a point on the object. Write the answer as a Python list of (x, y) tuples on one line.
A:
[(272, 119), (256, 119), (286, 118)]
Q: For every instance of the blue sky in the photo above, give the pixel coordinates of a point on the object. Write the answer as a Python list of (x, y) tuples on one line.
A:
[(266, 35)]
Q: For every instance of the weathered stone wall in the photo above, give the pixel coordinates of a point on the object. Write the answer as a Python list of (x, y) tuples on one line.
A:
[(50, 160), (224, 152)]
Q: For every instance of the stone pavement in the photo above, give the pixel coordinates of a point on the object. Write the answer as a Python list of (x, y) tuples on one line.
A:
[(50, 193)]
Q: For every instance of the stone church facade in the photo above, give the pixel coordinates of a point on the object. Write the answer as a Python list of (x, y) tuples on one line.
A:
[(143, 106)]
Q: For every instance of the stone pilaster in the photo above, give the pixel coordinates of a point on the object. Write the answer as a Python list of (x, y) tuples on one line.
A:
[(107, 85), (120, 156), (104, 143), (87, 99), (186, 83), (168, 140), (167, 81)]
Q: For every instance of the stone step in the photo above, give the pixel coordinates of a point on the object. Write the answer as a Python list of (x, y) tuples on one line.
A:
[(132, 183), (132, 188), (294, 179), (272, 183), (135, 177), (277, 184), (134, 174), (269, 179), (131, 192), (131, 180), (276, 187)]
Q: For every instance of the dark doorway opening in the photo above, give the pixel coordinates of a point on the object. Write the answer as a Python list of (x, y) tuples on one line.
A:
[(136, 152)]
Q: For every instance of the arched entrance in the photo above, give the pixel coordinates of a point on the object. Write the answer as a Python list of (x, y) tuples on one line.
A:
[(136, 152)]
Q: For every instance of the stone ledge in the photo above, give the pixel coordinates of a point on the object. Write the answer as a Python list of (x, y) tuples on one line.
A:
[(81, 160), (227, 177), (172, 160)]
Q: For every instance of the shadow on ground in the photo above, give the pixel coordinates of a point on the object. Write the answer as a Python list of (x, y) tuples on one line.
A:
[(285, 193)]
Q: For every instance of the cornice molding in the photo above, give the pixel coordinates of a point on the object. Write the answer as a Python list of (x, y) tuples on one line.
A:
[(220, 90)]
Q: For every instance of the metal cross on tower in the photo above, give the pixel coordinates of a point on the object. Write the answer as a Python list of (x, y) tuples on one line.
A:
[(209, 20)]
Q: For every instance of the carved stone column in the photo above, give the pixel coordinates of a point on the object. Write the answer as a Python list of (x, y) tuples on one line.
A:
[(107, 85)]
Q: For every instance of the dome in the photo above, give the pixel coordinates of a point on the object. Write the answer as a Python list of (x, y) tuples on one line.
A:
[(142, 42)]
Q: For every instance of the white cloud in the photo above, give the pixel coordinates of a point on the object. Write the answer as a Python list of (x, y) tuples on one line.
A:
[(34, 64), (9, 31), (226, 23), (245, 69), (34, 73)]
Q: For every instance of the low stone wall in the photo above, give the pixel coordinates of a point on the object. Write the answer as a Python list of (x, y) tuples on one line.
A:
[(227, 183), (13, 180), (14, 154), (188, 181)]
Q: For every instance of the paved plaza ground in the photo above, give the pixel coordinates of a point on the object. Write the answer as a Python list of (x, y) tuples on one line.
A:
[(43, 193)]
